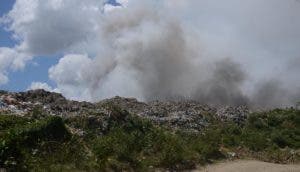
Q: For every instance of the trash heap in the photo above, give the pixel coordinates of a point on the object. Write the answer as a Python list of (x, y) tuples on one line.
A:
[(182, 115), (51, 103)]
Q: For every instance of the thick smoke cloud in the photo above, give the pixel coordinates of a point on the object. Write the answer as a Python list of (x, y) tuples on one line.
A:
[(224, 85), (215, 52)]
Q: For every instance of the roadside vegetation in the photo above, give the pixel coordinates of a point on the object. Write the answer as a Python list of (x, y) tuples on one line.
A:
[(44, 143)]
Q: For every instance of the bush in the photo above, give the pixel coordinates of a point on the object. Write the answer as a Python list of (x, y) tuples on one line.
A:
[(231, 135), (137, 144), (280, 127), (21, 138), (10, 121), (70, 155), (254, 140)]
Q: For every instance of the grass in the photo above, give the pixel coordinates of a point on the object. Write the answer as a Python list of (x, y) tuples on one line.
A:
[(128, 143)]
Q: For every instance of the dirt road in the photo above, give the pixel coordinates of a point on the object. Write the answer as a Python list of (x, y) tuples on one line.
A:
[(249, 166)]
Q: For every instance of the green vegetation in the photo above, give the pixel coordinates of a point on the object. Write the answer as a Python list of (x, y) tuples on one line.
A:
[(133, 144), (17, 139)]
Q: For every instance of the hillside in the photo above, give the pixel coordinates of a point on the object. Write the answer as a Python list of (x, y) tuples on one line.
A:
[(41, 130)]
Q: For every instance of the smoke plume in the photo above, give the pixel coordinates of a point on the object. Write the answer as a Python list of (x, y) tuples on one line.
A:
[(223, 53)]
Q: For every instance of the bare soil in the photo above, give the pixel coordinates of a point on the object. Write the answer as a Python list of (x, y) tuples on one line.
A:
[(249, 166)]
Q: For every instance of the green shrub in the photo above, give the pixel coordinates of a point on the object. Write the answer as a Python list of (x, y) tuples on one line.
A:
[(254, 140), (137, 144), (21, 138), (10, 121), (231, 135), (70, 155)]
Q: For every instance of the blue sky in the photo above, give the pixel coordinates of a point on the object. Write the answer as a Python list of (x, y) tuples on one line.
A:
[(5, 6)]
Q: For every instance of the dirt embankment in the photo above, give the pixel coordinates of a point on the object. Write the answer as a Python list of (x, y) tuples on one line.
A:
[(249, 166)]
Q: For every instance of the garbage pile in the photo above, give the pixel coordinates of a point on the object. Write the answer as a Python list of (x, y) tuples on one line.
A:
[(51, 103), (183, 115)]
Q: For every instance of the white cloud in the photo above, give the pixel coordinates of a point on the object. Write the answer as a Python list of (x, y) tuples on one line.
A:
[(75, 75), (109, 7), (40, 85), (3, 78), (123, 2), (71, 65), (68, 74), (47, 28), (44, 28), (10, 59)]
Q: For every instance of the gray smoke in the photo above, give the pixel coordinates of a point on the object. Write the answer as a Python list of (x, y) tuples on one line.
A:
[(164, 58), (231, 52), (224, 86)]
